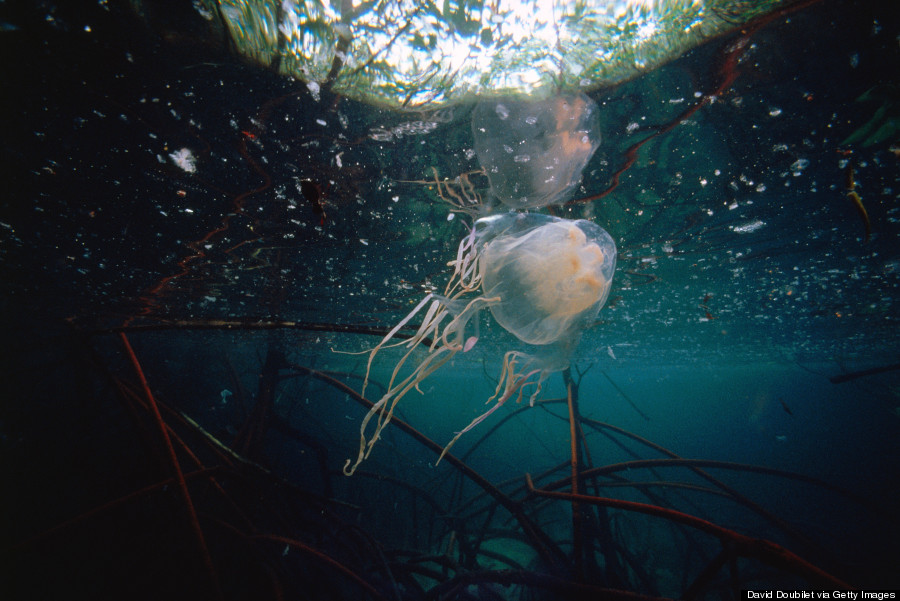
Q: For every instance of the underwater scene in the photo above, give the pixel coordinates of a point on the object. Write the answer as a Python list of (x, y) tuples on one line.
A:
[(391, 300)]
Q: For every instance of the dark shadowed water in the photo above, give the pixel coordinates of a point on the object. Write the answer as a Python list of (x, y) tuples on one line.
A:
[(153, 197)]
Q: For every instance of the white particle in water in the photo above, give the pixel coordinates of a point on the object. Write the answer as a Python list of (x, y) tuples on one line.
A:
[(748, 227), (313, 88), (799, 165), (185, 159)]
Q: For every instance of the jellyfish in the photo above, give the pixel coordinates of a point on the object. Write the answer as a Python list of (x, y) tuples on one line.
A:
[(534, 152), (543, 279)]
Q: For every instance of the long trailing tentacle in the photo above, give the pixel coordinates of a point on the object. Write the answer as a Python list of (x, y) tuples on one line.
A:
[(511, 382), (384, 341), (466, 268), (448, 338), (447, 342)]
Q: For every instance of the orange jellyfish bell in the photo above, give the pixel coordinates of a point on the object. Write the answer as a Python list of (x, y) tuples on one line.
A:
[(551, 274)]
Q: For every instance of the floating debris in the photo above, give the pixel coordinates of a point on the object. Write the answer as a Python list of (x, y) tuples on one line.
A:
[(748, 227), (184, 159)]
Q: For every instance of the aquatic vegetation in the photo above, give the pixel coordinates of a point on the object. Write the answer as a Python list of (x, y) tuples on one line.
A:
[(526, 47), (856, 199), (884, 123), (544, 280)]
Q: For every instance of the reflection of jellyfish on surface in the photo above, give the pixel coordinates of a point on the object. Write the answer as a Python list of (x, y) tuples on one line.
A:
[(534, 152), (544, 280)]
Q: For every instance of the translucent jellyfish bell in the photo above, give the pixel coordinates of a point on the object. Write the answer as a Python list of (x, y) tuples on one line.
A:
[(543, 278), (534, 152), (552, 275)]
